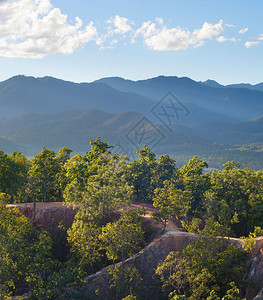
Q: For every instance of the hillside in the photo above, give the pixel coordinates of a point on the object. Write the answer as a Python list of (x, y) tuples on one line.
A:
[(38, 112), (21, 94), (242, 133), (242, 104)]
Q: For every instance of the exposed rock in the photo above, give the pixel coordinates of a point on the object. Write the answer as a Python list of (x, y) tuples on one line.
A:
[(48, 215), (255, 273), (259, 295), (146, 262), (148, 259)]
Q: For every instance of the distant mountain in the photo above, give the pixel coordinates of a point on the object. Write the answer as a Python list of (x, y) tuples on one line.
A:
[(241, 104), (29, 133), (242, 133), (75, 129), (256, 87), (38, 112), (211, 83), (21, 95), (8, 146)]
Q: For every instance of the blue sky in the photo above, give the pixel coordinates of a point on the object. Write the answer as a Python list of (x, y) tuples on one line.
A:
[(84, 40)]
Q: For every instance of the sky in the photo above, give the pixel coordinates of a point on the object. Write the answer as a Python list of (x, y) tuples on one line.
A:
[(85, 40)]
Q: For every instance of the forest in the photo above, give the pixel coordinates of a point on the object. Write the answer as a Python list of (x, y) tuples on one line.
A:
[(223, 203)]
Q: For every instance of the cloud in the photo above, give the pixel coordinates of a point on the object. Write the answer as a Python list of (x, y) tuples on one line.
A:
[(121, 25), (207, 31), (169, 39), (242, 31), (260, 37), (161, 38), (34, 29), (229, 25), (249, 44), (222, 39)]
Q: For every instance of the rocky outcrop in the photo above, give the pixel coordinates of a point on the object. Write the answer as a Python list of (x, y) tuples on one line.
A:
[(146, 262), (255, 272), (259, 295), (48, 215)]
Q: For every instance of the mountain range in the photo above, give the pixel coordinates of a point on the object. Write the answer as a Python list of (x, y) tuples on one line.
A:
[(212, 120)]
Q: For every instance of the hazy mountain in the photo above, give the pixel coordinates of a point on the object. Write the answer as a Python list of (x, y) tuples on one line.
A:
[(211, 83), (242, 133), (75, 129), (38, 112), (242, 104), (29, 133), (256, 87), (20, 95), (8, 146)]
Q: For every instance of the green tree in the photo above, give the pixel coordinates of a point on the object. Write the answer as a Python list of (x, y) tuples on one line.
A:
[(166, 169), (61, 179), (40, 265), (103, 193), (206, 264), (19, 175), (235, 198), (13, 174), (125, 282), (123, 238), (25, 254), (170, 201), (193, 180), (98, 195), (83, 237), (44, 170), (140, 173), (15, 231)]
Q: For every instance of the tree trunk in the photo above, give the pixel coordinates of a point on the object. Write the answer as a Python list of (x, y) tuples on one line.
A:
[(45, 193), (34, 207)]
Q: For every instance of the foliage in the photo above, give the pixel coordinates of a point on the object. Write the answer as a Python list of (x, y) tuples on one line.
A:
[(15, 232), (83, 237), (13, 174), (170, 201), (102, 193), (249, 242), (140, 173), (125, 281), (206, 264), (99, 184), (123, 238), (25, 254), (235, 198)]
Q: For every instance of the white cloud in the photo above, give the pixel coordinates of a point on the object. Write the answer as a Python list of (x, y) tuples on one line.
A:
[(229, 25), (147, 29), (222, 39), (169, 39), (249, 44), (260, 37), (159, 20), (34, 29), (242, 31), (121, 25), (207, 31), (165, 39)]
